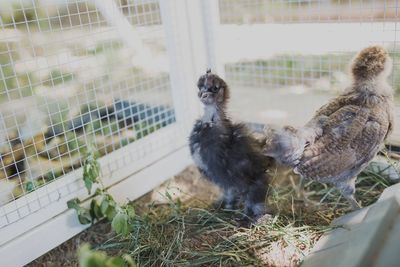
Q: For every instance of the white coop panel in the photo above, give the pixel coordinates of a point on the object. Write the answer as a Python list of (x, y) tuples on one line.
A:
[(286, 58), (76, 75)]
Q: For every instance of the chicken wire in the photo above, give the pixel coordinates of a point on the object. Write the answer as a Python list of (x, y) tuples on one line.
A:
[(287, 58), (70, 79)]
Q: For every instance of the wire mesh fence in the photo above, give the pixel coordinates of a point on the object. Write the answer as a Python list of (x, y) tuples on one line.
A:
[(68, 80), (294, 55), (307, 11), (80, 73)]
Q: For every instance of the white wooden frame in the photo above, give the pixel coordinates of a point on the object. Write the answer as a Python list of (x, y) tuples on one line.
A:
[(39, 232)]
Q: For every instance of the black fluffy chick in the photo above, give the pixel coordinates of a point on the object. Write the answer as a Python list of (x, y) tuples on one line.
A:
[(226, 154)]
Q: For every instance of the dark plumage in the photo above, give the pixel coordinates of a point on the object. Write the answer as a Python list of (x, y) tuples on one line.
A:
[(354, 127), (225, 153)]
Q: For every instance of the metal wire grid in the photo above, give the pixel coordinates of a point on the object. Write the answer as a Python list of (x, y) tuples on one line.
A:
[(300, 11), (312, 45), (288, 69), (373, 22), (67, 81), (50, 16)]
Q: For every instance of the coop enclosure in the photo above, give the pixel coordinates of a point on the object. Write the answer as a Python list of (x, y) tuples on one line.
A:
[(119, 77)]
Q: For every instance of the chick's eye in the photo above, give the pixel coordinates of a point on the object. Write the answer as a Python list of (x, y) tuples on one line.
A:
[(214, 89)]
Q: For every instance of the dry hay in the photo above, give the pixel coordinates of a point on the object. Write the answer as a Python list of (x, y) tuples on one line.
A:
[(177, 225)]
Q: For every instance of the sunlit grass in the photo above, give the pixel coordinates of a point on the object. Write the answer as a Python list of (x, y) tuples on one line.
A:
[(194, 233)]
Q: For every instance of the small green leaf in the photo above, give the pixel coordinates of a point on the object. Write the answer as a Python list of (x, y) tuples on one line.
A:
[(74, 204), (84, 216), (115, 262), (95, 210), (88, 183), (111, 212), (91, 170), (108, 207), (104, 205), (29, 186), (120, 223), (90, 258), (130, 211)]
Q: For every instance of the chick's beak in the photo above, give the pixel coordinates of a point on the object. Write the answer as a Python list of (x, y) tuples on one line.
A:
[(205, 95)]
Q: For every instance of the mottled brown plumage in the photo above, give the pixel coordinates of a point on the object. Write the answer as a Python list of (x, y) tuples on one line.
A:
[(354, 127)]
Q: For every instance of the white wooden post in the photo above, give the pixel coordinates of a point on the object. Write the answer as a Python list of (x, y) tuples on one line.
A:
[(211, 26), (186, 46)]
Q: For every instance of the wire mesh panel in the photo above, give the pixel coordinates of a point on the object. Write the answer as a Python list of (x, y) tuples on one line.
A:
[(119, 76), (299, 11), (284, 59), (74, 75)]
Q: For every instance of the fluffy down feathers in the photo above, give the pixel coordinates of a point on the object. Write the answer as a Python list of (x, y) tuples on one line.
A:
[(227, 156), (226, 153), (354, 127)]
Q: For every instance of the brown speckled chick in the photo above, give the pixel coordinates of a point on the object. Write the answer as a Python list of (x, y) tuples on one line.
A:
[(354, 126)]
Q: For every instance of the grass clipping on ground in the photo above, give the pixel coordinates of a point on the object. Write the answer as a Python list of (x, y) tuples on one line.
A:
[(187, 231)]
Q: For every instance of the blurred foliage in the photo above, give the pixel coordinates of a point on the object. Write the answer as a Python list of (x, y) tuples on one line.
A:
[(106, 46), (266, 11), (67, 132), (284, 70), (24, 15), (143, 128), (13, 85), (90, 258), (57, 77), (103, 127)]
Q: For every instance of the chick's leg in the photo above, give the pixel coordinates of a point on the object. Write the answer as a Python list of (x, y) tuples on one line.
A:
[(300, 188), (348, 189), (254, 205), (230, 198), (301, 192)]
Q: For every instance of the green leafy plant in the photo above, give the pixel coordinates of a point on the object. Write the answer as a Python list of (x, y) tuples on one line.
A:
[(56, 77), (91, 169), (103, 205), (90, 258), (84, 216)]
